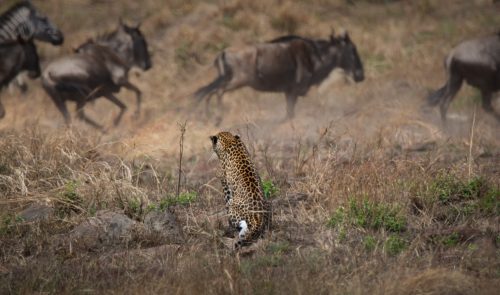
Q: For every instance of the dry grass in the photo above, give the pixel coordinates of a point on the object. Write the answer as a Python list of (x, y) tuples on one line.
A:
[(371, 195)]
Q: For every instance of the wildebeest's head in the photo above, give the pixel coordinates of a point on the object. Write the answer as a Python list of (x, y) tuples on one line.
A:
[(349, 59), (31, 62), (140, 53), (43, 28)]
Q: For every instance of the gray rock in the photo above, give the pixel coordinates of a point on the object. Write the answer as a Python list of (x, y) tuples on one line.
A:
[(36, 212), (106, 228), (163, 224)]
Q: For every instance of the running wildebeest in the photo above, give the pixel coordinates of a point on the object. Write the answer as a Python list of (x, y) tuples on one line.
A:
[(19, 25), (17, 57), (476, 61), (289, 64), (98, 68)]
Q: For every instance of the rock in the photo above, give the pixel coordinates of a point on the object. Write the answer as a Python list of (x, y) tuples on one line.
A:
[(106, 228), (162, 223), (36, 212)]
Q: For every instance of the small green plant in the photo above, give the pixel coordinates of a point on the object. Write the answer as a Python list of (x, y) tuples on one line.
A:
[(490, 203), (342, 234), (270, 190), (395, 245), (70, 193), (183, 199), (69, 200), (134, 207), (337, 218), (369, 242), (451, 240)]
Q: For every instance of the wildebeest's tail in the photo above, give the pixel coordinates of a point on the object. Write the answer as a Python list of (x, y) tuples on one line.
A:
[(435, 97), (224, 76), (2, 110)]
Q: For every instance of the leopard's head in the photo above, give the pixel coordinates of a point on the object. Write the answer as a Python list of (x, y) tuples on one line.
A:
[(224, 142)]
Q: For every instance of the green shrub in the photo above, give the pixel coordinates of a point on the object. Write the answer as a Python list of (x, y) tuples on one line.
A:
[(270, 190), (369, 215), (448, 188)]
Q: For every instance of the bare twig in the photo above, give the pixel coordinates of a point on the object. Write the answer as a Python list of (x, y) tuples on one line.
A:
[(471, 139), (182, 128)]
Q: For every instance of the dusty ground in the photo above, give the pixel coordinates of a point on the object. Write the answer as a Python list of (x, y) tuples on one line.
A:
[(371, 193)]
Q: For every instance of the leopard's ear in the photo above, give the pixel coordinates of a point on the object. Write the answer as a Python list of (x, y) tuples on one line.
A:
[(213, 139), (237, 137)]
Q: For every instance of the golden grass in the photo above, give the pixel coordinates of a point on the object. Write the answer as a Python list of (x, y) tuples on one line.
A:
[(349, 143)]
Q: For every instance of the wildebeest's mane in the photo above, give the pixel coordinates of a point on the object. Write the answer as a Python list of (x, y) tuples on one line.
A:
[(106, 36), (289, 38)]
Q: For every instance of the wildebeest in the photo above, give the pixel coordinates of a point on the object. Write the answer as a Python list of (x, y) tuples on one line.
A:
[(289, 64), (98, 68), (477, 61), (17, 57), (24, 21)]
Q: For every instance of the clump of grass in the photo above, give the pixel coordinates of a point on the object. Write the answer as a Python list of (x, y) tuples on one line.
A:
[(490, 203), (395, 245), (451, 240), (369, 215), (453, 199), (279, 247), (448, 188), (70, 200), (369, 242), (183, 199)]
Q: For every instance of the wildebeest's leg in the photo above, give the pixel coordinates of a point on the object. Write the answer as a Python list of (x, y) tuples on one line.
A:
[(60, 104), (81, 115), (487, 106), (453, 85), (220, 107), (2, 110), (291, 101), (138, 95), (120, 104)]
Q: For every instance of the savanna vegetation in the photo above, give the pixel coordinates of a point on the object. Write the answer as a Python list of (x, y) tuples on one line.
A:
[(371, 193)]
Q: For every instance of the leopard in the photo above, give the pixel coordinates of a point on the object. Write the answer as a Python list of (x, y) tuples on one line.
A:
[(248, 210)]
